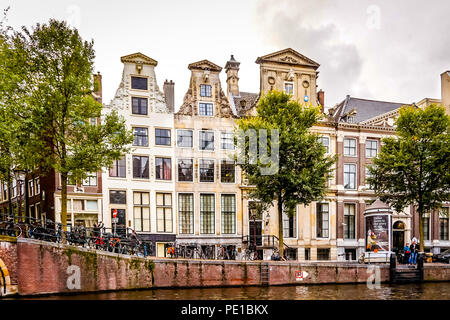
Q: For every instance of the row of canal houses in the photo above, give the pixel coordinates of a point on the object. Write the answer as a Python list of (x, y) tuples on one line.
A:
[(179, 182)]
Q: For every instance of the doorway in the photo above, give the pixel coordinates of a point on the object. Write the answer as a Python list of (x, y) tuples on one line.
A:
[(398, 236)]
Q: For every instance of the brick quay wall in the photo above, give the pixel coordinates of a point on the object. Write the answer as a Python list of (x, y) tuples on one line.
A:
[(38, 267)]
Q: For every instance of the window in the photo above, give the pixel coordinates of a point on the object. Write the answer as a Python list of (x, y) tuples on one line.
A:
[(118, 169), (371, 148), (117, 197), (91, 205), (30, 188), (207, 213), (349, 221), (163, 168), (350, 119), (205, 90), (205, 109), (186, 212), (322, 220), (289, 225), (141, 210), (443, 223), (5, 191), (228, 205), (368, 175), (139, 83), (37, 181), (139, 105), (323, 254), (140, 167), (162, 137), (289, 87), (350, 147), (185, 138), (164, 212), (140, 137), (206, 140), (78, 205), (227, 171), (349, 176), (325, 142), (426, 226), (71, 179), (227, 141), (185, 170), (91, 179), (206, 168)]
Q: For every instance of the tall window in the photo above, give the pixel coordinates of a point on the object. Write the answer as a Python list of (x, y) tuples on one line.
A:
[(207, 213), (30, 188), (117, 197), (226, 141), (186, 212), (368, 175), (323, 254), (206, 170), (349, 221), (371, 148), (185, 170), (443, 223), (38, 185), (141, 209), (349, 176), (205, 90), (163, 212), (139, 105), (140, 137), (325, 142), (162, 137), (205, 109), (140, 167), (289, 87), (289, 225), (139, 83), (206, 140), (426, 226), (185, 138), (227, 171), (228, 205), (322, 220), (91, 179), (118, 169), (349, 147), (163, 168)]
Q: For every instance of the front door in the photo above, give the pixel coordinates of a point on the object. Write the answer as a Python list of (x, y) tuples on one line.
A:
[(255, 232), (399, 240)]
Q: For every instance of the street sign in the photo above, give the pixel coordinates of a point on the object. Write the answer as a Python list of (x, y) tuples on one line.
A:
[(300, 275), (114, 213), (115, 220)]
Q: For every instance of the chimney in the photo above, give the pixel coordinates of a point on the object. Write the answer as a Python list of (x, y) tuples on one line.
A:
[(445, 91), (232, 70), (97, 92), (169, 95), (321, 99)]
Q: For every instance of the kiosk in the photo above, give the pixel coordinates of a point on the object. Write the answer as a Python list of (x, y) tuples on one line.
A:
[(378, 232)]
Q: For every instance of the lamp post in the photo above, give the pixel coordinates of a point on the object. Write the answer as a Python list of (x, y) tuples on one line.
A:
[(18, 173)]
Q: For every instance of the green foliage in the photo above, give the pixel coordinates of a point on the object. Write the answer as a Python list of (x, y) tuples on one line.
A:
[(303, 167), (414, 167)]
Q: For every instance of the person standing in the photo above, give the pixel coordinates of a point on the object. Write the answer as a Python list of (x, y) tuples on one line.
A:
[(414, 250), (407, 251)]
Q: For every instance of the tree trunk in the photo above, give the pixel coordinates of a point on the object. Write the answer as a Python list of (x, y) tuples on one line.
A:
[(422, 246), (64, 201), (280, 226)]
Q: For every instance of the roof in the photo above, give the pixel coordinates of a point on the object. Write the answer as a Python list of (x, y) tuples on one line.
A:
[(138, 58), (244, 102), (362, 109), (378, 206), (288, 56), (204, 65)]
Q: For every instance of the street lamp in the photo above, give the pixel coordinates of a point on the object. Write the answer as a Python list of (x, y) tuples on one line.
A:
[(18, 173)]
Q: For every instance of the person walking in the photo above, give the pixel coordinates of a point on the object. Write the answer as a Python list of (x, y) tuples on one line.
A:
[(414, 250), (407, 251)]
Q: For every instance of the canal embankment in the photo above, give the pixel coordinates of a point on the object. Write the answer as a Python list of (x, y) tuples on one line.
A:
[(37, 267)]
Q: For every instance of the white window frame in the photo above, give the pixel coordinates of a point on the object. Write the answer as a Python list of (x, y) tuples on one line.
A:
[(235, 213), (328, 146), (232, 138), (376, 152), (193, 169), (329, 222), (214, 160), (356, 148), (178, 146), (205, 102), (293, 87), (356, 176), (200, 141)]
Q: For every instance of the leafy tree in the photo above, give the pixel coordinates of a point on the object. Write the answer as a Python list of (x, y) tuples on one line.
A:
[(46, 83), (302, 167), (413, 168)]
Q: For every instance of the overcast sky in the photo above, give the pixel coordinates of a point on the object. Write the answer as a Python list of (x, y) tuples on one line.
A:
[(384, 50)]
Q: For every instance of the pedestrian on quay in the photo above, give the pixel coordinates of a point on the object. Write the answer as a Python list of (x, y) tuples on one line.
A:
[(414, 251), (407, 251)]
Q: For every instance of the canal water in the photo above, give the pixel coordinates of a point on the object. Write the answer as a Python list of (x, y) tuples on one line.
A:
[(426, 291)]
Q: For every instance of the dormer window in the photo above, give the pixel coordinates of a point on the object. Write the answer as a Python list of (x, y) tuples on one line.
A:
[(205, 90), (350, 119)]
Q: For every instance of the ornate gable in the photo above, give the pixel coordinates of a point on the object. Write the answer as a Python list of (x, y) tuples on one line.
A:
[(288, 56), (138, 58), (384, 120), (204, 65)]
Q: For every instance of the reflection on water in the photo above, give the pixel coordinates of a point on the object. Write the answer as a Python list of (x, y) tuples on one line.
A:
[(428, 291)]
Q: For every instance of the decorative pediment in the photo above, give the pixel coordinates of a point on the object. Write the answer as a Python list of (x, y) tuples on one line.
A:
[(138, 58), (204, 65), (384, 120), (288, 56)]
